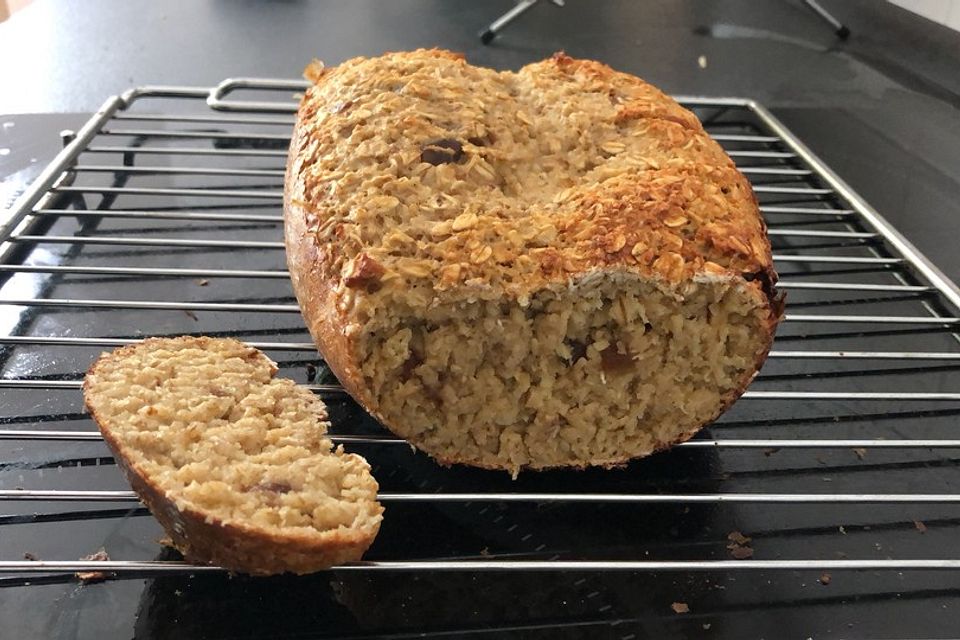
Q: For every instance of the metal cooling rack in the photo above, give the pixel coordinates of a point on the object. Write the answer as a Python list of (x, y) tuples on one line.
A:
[(162, 216)]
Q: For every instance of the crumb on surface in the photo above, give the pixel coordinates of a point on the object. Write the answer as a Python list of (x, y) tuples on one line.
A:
[(739, 546), (88, 577)]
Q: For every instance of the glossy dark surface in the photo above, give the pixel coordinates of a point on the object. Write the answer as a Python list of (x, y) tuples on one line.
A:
[(887, 123)]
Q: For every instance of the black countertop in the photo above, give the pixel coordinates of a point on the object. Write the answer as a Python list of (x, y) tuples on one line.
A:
[(881, 109)]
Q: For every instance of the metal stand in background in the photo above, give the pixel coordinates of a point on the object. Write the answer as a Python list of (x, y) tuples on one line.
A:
[(838, 27), (488, 34)]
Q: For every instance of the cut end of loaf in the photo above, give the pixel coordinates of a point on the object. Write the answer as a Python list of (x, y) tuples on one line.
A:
[(234, 463), (612, 368)]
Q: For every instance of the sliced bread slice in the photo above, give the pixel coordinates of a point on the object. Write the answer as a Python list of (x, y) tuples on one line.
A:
[(234, 463)]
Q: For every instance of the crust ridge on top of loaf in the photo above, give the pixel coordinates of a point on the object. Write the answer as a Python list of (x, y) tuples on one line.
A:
[(416, 181)]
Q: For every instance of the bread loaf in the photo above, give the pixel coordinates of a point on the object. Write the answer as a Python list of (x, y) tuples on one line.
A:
[(553, 267), (234, 463)]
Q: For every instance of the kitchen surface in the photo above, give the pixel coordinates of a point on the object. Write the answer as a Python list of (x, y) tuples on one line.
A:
[(880, 108)]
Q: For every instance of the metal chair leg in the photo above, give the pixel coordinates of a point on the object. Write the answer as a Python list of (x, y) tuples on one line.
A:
[(487, 35), (838, 27)]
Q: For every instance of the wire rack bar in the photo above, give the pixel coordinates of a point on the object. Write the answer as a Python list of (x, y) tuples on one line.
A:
[(814, 233), (160, 117), (278, 274), (807, 211), (797, 317), (292, 308), (285, 137), (737, 137), (148, 242), (866, 355), (278, 195), (851, 395), (160, 567), (779, 257), (775, 171), (257, 244), (145, 214), (163, 191), (147, 271), (854, 286), (140, 213), (119, 342), (779, 155), (728, 443), (67, 495), (149, 304), (871, 396), (282, 153), (309, 346), (199, 171), (803, 191), (279, 173), (210, 135), (185, 151)]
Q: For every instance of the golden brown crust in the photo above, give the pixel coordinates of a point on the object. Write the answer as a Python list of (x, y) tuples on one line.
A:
[(673, 205), (317, 296), (206, 539), (375, 202), (238, 548)]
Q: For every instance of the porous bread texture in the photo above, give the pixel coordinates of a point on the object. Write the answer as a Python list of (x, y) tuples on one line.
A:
[(233, 462), (553, 267)]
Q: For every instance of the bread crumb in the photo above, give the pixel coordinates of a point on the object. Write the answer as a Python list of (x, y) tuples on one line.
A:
[(738, 538), (922, 528), (740, 553), (825, 578), (861, 452), (680, 607), (88, 577), (202, 282), (739, 545)]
